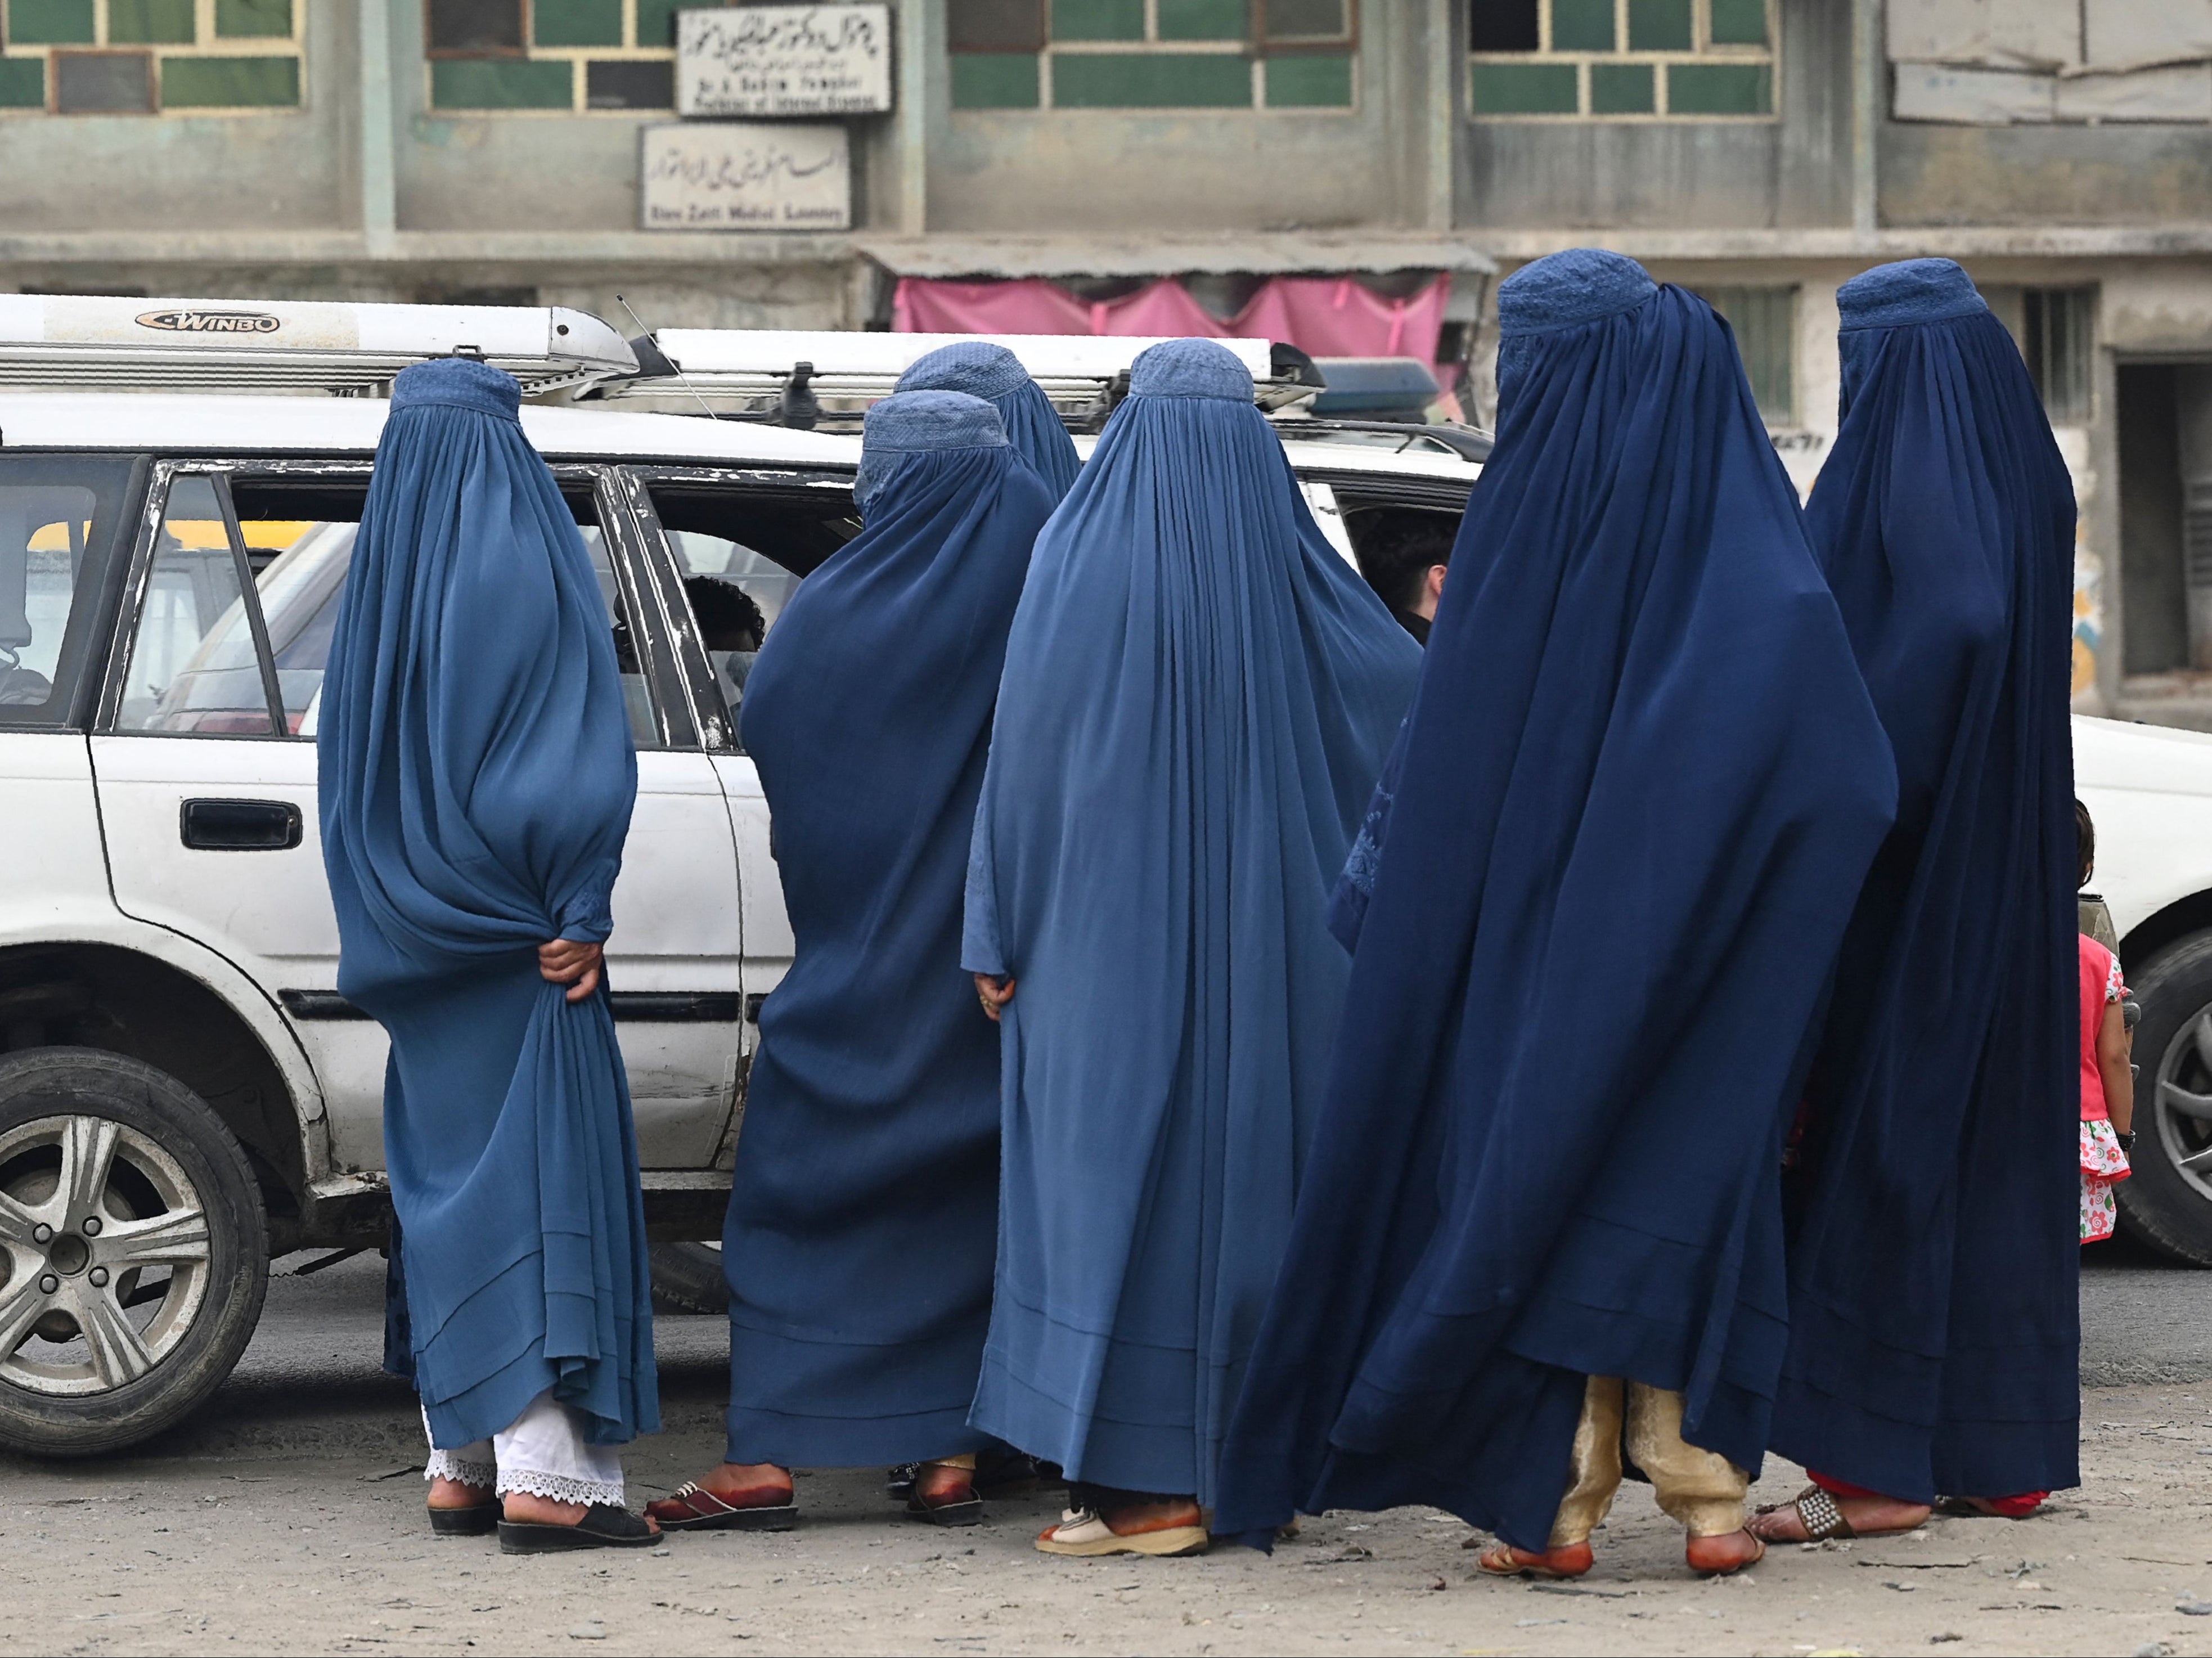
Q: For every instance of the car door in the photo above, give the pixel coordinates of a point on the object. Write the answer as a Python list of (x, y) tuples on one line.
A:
[(731, 547), (205, 764)]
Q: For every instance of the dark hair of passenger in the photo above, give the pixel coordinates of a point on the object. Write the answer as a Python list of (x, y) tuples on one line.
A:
[(728, 618), (2085, 836), (1398, 546)]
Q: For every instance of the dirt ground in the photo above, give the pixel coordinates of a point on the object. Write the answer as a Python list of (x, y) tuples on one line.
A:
[(323, 1548)]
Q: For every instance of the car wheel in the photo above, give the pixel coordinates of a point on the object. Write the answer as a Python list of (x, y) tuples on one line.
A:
[(687, 1277), (133, 1251), (2166, 1201)]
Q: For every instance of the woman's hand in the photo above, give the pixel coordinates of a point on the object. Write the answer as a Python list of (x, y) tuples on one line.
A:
[(994, 993), (571, 961)]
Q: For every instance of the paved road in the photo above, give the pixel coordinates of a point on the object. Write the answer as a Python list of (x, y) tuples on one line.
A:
[(287, 1517)]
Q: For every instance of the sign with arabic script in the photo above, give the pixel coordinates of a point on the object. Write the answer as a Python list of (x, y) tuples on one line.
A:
[(784, 60), (746, 175)]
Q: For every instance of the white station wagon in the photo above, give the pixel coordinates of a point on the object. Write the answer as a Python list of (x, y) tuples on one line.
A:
[(184, 1095)]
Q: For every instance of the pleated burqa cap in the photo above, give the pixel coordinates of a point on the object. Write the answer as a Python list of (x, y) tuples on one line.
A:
[(1634, 798), (985, 369)]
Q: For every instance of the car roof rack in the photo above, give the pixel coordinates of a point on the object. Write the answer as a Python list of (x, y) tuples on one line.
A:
[(792, 377), (1399, 436), (77, 343)]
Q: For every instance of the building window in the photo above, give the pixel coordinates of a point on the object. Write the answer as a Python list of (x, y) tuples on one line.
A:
[(2055, 338), (1765, 323), (150, 57), (1621, 60), (1153, 54), (568, 57)]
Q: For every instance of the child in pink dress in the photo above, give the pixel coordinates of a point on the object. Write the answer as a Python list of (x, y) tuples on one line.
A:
[(2107, 1081)]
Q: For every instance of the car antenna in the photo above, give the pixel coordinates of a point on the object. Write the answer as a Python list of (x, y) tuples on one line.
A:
[(705, 407)]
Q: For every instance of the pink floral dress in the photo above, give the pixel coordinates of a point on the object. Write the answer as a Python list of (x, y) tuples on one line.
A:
[(2103, 1164)]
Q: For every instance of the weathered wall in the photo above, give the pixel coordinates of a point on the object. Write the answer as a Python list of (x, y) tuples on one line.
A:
[(1794, 171), (1092, 171), (2043, 175), (291, 170)]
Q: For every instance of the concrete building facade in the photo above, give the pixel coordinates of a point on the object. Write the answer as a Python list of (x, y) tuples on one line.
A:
[(1760, 151)]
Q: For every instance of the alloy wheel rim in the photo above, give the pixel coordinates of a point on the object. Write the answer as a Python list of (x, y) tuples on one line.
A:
[(104, 1255)]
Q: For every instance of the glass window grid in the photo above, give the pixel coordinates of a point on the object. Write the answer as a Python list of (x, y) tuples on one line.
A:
[(1763, 318), (638, 18), (2057, 335), (1155, 43), (1593, 69), (107, 26)]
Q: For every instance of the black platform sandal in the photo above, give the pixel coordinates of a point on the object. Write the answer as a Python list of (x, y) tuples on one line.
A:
[(603, 1527), (476, 1519)]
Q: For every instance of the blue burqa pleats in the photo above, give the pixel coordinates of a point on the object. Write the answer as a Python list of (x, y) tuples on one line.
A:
[(1198, 697), (476, 779), (989, 371), (864, 1214), (1596, 905), (1932, 1272)]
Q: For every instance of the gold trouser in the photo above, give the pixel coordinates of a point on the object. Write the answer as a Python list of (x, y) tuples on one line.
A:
[(965, 1459), (1704, 1490)]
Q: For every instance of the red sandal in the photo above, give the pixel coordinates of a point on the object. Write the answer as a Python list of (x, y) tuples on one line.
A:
[(692, 1507)]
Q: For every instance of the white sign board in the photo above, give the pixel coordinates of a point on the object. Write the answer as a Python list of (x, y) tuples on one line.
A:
[(746, 175), (784, 60)]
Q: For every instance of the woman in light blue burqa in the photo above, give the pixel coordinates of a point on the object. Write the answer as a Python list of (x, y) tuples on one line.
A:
[(1198, 697), (985, 369), (475, 783)]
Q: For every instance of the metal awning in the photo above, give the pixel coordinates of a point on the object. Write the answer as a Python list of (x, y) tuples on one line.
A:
[(1287, 253)]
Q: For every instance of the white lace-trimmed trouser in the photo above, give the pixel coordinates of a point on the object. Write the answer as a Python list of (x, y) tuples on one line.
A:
[(540, 1452)]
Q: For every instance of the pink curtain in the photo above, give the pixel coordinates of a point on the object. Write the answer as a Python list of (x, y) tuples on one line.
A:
[(1323, 316)]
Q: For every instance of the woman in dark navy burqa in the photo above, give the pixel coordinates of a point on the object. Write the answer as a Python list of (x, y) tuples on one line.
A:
[(477, 777), (864, 1212), (1594, 906), (1934, 1254)]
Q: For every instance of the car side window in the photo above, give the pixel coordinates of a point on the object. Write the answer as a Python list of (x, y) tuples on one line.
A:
[(741, 553), (194, 661), (58, 518), (195, 667)]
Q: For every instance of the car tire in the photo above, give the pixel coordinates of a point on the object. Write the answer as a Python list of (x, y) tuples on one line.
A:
[(687, 1277), (174, 1196), (2162, 1204)]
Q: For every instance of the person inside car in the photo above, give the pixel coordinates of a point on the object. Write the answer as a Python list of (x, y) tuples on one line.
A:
[(1404, 552)]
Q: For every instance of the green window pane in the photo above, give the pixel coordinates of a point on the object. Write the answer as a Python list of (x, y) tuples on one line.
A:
[(1720, 89), (1205, 19), (576, 22), (995, 80), (133, 22), (230, 83), (23, 84), (1152, 80), (1739, 23), (253, 18), (501, 83), (1582, 25), (1622, 89), (656, 22), (1309, 82), (50, 23), (1659, 26), (1098, 20), (1526, 89)]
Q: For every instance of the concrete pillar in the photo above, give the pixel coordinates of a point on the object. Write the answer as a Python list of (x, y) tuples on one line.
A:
[(380, 193)]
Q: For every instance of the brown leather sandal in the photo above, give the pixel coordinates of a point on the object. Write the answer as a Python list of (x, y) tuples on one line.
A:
[(1570, 1560)]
